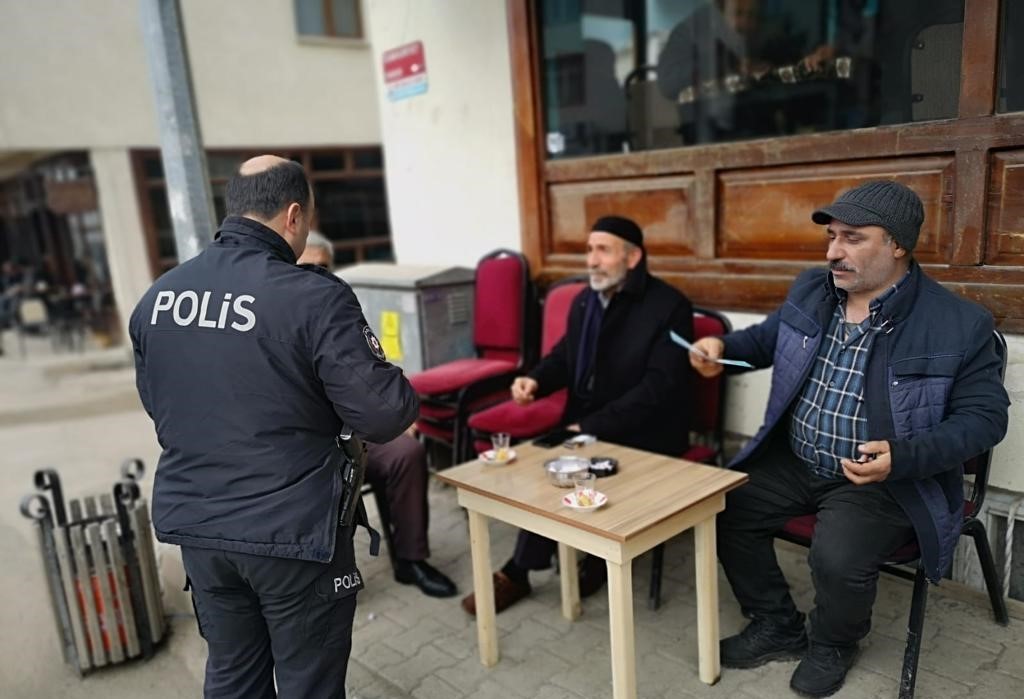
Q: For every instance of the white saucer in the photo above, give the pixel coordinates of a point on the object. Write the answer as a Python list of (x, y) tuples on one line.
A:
[(488, 457), (569, 500)]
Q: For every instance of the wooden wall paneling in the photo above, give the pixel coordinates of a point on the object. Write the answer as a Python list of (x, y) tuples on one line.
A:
[(980, 49), (998, 131), (662, 207), (969, 207), (1005, 232), (766, 213), (704, 212), (522, 38)]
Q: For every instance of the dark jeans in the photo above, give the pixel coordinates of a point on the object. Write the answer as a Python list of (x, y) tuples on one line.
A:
[(859, 527), (265, 616)]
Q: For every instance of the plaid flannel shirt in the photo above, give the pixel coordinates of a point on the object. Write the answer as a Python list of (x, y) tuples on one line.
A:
[(828, 421)]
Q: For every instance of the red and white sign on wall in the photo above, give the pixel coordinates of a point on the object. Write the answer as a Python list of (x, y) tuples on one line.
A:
[(405, 71)]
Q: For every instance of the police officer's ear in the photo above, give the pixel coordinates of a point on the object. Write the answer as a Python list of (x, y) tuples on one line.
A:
[(294, 218)]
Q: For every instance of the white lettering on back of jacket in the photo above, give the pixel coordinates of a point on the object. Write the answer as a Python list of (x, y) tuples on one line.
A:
[(188, 308)]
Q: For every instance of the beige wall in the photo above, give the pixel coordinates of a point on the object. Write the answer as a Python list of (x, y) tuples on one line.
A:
[(449, 153), (75, 77)]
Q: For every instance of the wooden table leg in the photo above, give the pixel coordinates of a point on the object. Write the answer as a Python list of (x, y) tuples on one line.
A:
[(483, 588), (570, 582), (620, 612), (707, 600)]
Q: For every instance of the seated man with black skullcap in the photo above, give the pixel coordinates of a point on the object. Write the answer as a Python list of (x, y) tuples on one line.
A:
[(628, 384)]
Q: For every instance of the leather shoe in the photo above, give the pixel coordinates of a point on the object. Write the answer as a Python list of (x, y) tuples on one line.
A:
[(429, 579), (506, 593), (823, 670), (593, 574)]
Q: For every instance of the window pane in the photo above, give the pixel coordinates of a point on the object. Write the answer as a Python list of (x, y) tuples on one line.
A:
[(380, 253), (153, 167), (711, 71), (165, 245), (309, 17), (368, 159), (223, 166), (1011, 58), (346, 18), (217, 190), (328, 161), (349, 209)]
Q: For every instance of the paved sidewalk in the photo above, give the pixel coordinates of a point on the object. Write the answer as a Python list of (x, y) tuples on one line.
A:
[(408, 645)]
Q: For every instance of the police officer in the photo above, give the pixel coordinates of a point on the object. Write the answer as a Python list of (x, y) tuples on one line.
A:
[(250, 367)]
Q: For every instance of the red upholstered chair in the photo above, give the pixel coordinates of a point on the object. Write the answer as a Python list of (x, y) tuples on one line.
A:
[(706, 424), (544, 414), (502, 330), (800, 530)]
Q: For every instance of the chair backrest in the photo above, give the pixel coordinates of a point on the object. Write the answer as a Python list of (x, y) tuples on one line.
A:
[(500, 306), (557, 305), (979, 465), (708, 414)]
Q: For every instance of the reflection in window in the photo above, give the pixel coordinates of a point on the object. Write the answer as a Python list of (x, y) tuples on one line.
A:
[(1011, 58), (641, 74)]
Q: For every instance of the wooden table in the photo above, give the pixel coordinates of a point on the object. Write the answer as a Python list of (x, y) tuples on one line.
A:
[(651, 499)]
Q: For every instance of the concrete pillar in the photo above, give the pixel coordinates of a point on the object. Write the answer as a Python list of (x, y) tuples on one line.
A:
[(122, 229)]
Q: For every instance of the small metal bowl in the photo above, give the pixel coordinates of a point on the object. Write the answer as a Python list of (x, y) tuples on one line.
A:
[(563, 469)]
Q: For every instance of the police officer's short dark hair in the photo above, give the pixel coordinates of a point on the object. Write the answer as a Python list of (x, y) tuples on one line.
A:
[(266, 193)]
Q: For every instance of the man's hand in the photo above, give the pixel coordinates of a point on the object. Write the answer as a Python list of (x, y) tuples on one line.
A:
[(574, 427), (874, 465), (714, 348), (523, 389), (816, 59)]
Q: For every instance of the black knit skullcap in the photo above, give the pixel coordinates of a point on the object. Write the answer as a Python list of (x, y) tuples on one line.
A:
[(623, 227), (891, 205)]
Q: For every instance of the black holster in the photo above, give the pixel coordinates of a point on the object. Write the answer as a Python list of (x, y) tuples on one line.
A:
[(353, 471)]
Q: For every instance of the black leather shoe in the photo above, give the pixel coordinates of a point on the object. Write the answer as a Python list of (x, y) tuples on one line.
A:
[(764, 640), (823, 670), (429, 579), (593, 574)]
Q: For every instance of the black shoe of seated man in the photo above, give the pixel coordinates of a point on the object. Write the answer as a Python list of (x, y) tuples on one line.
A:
[(764, 640), (823, 669), (593, 574), (429, 579)]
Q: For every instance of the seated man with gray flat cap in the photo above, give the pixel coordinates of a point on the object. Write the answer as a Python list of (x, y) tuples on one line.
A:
[(883, 384)]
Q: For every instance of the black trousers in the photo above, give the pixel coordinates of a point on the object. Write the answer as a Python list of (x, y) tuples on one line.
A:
[(265, 616), (859, 527), (533, 551)]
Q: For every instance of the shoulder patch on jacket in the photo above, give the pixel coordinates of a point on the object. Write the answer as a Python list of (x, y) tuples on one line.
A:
[(373, 343)]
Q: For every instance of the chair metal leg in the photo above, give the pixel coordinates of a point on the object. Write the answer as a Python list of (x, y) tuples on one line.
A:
[(993, 584), (657, 563), (908, 677), (385, 523)]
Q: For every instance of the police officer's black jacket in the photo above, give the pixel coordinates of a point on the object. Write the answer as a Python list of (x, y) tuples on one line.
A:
[(249, 366)]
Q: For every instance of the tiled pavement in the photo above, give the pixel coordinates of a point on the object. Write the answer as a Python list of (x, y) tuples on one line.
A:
[(408, 645)]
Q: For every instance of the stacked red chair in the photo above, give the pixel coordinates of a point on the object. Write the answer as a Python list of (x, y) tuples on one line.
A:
[(502, 317), (544, 414)]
